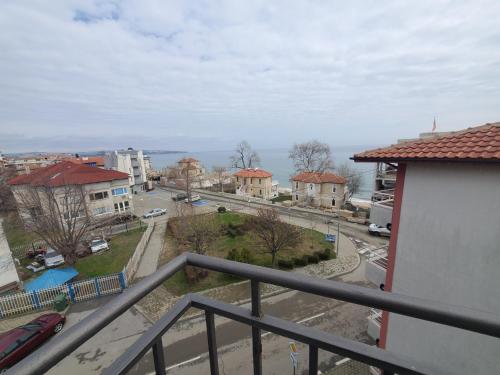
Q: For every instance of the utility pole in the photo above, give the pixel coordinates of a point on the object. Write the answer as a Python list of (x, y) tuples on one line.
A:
[(338, 238)]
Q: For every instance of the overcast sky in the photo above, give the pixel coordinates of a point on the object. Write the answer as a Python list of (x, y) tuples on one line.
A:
[(202, 75)]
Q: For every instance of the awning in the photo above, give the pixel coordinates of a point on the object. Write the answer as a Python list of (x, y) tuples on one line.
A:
[(51, 279)]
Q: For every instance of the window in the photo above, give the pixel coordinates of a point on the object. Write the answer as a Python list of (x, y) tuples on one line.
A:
[(116, 207), (334, 188), (260, 181), (260, 191), (99, 196), (237, 179), (100, 210), (73, 215), (296, 197), (119, 191), (296, 185), (126, 205), (333, 202), (311, 187)]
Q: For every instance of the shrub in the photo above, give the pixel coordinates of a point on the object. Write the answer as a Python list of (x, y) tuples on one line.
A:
[(221, 209), (300, 262), (322, 255), (313, 258), (232, 255), (243, 256), (285, 264)]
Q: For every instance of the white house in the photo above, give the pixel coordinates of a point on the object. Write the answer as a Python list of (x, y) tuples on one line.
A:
[(129, 161), (444, 244)]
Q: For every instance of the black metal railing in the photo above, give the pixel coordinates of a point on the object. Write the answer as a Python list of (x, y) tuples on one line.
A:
[(56, 350)]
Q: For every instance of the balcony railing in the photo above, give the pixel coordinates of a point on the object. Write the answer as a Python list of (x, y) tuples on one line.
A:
[(57, 349)]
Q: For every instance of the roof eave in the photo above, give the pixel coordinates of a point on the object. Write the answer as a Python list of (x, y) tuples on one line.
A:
[(399, 160)]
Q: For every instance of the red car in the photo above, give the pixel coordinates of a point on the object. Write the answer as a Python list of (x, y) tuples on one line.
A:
[(21, 341)]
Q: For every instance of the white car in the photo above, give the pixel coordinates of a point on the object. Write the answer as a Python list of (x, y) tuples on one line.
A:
[(194, 198), (98, 245), (36, 267), (378, 230), (154, 212), (52, 258)]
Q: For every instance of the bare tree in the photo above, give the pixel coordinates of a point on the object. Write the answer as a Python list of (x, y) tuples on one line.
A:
[(312, 156), (273, 233), (219, 171), (244, 156), (7, 201), (58, 215), (198, 231), (353, 177)]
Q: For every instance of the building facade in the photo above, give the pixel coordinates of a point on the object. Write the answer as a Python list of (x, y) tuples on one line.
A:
[(106, 192), (444, 244), (129, 161), (255, 182), (315, 189)]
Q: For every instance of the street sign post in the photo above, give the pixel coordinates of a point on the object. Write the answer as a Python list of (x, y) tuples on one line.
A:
[(293, 356)]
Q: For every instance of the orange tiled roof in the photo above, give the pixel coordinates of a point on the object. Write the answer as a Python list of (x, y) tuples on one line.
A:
[(253, 172), (97, 160), (481, 143), (67, 173), (319, 178)]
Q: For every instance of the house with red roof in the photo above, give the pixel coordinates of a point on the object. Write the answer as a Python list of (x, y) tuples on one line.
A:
[(255, 182), (319, 189), (445, 244), (106, 191)]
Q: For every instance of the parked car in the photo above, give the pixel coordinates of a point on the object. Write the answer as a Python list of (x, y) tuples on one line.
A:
[(194, 198), (36, 266), (52, 258), (179, 197), (155, 212), (23, 340), (98, 245), (378, 230)]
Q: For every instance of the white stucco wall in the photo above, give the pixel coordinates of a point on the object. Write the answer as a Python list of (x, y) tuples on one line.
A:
[(449, 251)]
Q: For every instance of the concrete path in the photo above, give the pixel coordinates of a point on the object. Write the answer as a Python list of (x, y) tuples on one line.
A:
[(149, 260)]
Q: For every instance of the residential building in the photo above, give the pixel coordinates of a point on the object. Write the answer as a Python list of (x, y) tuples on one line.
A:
[(128, 161), (106, 191), (196, 171), (27, 164), (444, 245), (255, 182), (91, 161), (326, 190), (147, 163)]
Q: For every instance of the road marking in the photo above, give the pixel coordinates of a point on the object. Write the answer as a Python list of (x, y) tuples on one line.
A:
[(178, 364), (299, 322)]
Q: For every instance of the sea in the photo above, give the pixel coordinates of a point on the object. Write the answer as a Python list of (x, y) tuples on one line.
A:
[(277, 162)]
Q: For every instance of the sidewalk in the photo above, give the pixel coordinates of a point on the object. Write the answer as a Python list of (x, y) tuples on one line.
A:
[(149, 260)]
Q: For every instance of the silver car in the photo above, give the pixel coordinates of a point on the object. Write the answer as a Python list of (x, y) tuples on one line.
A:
[(52, 258), (155, 212)]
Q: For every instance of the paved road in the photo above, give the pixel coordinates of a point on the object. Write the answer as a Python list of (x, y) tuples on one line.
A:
[(187, 340)]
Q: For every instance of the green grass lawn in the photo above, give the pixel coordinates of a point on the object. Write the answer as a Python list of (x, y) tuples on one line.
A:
[(121, 248), (15, 232), (311, 241), (282, 198)]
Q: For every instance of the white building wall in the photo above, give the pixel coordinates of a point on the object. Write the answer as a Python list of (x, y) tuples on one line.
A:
[(448, 251), (130, 162)]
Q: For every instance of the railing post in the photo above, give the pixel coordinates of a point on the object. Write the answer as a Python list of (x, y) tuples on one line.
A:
[(71, 292), (158, 357), (122, 279), (35, 299), (256, 335), (212, 343), (313, 360), (97, 287)]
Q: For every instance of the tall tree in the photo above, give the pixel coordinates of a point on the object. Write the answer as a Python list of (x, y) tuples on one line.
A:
[(198, 231), (273, 233), (245, 156), (58, 215), (7, 201), (312, 156), (353, 177), (219, 171)]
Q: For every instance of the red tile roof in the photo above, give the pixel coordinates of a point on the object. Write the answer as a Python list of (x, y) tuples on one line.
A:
[(319, 178), (97, 160), (481, 143), (253, 172), (67, 173)]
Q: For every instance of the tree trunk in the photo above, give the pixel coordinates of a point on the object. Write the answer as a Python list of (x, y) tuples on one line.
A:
[(273, 255)]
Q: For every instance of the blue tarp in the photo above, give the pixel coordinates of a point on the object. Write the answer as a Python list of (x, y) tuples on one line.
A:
[(199, 203), (51, 279)]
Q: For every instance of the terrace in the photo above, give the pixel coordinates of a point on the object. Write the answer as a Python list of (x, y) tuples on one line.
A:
[(58, 348)]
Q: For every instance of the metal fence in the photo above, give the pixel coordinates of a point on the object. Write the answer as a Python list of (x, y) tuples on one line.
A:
[(24, 302), (59, 347)]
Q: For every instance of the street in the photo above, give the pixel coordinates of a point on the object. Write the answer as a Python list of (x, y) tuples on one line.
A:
[(185, 343)]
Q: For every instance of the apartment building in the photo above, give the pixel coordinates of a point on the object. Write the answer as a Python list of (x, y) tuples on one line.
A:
[(106, 191), (255, 182), (317, 189), (128, 161), (91, 161), (444, 244)]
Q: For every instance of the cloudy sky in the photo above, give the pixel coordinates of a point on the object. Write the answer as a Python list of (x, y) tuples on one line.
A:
[(202, 75)]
